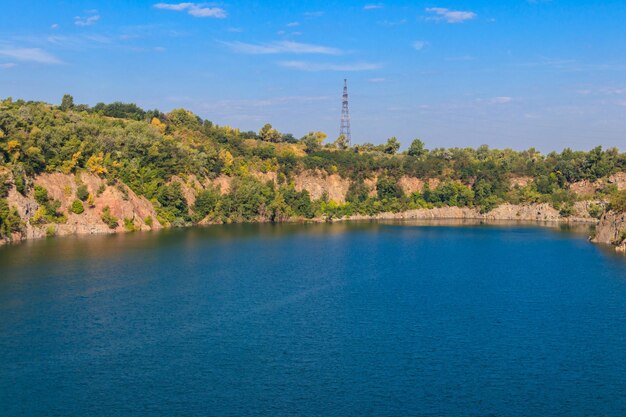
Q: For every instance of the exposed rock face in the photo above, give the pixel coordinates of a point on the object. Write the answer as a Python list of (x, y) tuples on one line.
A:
[(222, 182), (125, 204), (523, 212), (122, 202), (585, 187), (317, 183), (520, 181), (618, 179), (412, 185), (610, 230)]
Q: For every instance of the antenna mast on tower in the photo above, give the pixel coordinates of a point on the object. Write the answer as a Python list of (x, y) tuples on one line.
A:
[(345, 114)]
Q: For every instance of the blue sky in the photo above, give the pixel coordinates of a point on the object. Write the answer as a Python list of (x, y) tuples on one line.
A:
[(510, 73)]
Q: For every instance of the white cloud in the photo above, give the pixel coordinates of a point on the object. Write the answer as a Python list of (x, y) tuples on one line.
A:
[(377, 80), (193, 9), (29, 55), (314, 14), (235, 30), (314, 66), (281, 47), (392, 23), (87, 20), (501, 100), (293, 24), (450, 16), (54, 26), (8, 65), (373, 6), (419, 45)]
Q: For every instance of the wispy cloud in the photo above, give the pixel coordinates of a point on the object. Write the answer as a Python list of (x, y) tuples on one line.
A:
[(419, 45), (293, 24), (315, 66), (234, 30), (193, 9), (373, 6), (29, 55), (392, 23), (54, 26), (450, 16), (377, 80), (281, 47), (501, 100), (86, 20), (8, 65), (314, 14)]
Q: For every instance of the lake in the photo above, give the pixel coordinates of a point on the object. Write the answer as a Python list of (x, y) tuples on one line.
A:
[(318, 320)]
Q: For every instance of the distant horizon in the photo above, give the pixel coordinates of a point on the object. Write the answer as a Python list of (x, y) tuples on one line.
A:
[(462, 75)]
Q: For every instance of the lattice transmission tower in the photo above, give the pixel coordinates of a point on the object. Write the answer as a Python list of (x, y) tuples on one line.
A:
[(345, 114)]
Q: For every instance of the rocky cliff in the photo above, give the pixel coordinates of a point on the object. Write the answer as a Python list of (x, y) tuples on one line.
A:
[(611, 230), (132, 211), (137, 213)]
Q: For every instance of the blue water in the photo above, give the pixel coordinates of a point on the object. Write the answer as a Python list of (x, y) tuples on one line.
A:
[(318, 320)]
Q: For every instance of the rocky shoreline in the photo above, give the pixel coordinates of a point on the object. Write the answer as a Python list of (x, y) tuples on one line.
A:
[(126, 205)]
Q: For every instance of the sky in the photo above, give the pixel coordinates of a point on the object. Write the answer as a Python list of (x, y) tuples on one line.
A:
[(548, 74)]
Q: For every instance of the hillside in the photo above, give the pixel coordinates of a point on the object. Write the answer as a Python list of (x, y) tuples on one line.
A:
[(111, 168)]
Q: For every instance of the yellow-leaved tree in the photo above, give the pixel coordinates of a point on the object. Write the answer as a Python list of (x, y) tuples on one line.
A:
[(95, 164)]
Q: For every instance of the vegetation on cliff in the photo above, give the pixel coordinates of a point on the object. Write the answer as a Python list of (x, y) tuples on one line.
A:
[(146, 150)]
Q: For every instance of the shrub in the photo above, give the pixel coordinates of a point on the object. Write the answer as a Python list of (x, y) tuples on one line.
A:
[(595, 210), (82, 193), (618, 201), (41, 195), (129, 225), (51, 231), (148, 221), (108, 218), (77, 207), (206, 201)]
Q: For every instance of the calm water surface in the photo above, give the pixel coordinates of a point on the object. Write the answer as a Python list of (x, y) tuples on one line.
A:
[(320, 320)]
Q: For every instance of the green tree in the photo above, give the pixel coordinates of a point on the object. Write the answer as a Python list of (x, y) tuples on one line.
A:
[(67, 102), (416, 149), (206, 202), (269, 134), (341, 143), (313, 141), (392, 146), (388, 187)]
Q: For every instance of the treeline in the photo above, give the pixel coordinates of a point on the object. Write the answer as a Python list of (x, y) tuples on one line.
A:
[(144, 149)]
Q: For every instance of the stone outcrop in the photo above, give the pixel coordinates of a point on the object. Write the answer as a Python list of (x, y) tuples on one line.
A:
[(126, 205), (318, 183), (508, 212), (123, 203), (611, 230)]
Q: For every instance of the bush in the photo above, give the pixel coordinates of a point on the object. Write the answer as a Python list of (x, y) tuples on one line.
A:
[(82, 193), (595, 210), (108, 218), (41, 195), (618, 201), (129, 225), (77, 207), (206, 201), (10, 220)]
